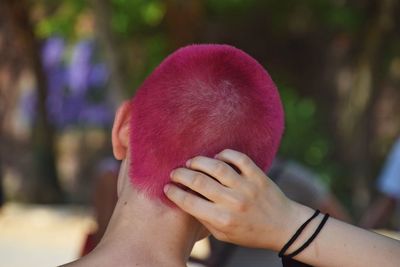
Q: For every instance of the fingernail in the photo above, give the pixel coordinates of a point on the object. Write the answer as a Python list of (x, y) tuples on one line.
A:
[(166, 187), (171, 174), (188, 163)]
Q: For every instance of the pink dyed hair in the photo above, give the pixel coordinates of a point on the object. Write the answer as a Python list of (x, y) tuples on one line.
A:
[(198, 101)]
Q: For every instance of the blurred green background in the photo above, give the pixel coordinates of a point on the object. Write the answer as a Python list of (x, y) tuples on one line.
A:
[(66, 65)]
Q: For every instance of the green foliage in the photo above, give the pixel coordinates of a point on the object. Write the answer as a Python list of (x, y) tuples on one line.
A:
[(153, 13), (284, 15), (61, 18), (136, 16), (334, 15), (156, 51), (138, 25), (138, 21), (230, 6), (304, 140), (129, 17)]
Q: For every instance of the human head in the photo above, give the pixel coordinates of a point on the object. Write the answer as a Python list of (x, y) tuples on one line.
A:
[(198, 101)]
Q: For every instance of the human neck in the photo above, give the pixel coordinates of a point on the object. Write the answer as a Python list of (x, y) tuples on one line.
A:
[(147, 233)]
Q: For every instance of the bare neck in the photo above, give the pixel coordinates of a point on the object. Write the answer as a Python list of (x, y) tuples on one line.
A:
[(146, 233)]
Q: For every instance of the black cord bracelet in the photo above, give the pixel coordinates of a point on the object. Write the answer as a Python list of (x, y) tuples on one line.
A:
[(297, 234), (311, 239)]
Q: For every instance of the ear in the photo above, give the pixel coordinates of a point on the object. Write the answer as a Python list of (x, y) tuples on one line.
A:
[(120, 131)]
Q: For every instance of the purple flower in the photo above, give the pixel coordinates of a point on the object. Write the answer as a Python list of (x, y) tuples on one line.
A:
[(52, 52), (71, 108), (99, 115), (98, 76), (79, 68), (75, 93)]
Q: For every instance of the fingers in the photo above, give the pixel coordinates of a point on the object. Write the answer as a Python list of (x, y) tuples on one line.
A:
[(217, 169), (241, 161), (220, 235), (198, 182), (192, 204)]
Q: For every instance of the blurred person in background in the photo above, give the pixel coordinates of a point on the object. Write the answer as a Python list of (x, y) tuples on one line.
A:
[(298, 183), (388, 185), (104, 200), (301, 184)]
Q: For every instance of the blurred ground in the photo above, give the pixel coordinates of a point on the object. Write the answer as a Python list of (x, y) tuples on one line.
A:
[(46, 235), (38, 235), (392, 234)]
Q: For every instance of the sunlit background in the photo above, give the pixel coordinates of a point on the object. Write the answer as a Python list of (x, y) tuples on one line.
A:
[(65, 66)]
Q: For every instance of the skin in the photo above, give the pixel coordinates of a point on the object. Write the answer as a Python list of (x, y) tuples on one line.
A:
[(142, 231), (249, 209)]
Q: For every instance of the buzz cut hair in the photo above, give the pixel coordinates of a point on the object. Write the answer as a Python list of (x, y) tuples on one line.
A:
[(201, 100)]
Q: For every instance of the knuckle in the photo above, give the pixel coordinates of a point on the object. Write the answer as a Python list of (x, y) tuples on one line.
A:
[(226, 220), (237, 182), (187, 200), (243, 160), (241, 204), (198, 180), (219, 168), (252, 191)]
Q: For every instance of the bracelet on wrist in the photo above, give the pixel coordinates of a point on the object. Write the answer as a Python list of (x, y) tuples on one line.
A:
[(298, 233)]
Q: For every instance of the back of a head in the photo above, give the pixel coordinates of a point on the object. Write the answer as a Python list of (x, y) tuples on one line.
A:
[(199, 101)]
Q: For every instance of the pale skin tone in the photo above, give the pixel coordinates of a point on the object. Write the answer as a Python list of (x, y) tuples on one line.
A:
[(133, 236), (249, 209)]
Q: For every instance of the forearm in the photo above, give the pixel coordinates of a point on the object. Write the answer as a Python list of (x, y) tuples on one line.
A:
[(248, 209), (341, 244)]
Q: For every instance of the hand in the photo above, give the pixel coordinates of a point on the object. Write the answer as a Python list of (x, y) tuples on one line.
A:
[(246, 209)]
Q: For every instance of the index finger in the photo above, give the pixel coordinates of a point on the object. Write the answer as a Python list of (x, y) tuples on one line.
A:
[(215, 168), (241, 161), (192, 204)]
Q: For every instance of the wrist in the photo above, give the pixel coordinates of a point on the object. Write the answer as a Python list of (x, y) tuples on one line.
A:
[(297, 215)]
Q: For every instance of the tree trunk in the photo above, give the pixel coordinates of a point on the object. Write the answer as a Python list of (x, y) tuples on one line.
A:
[(355, 102), (10, 69), (45, 185), (184, 21)]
